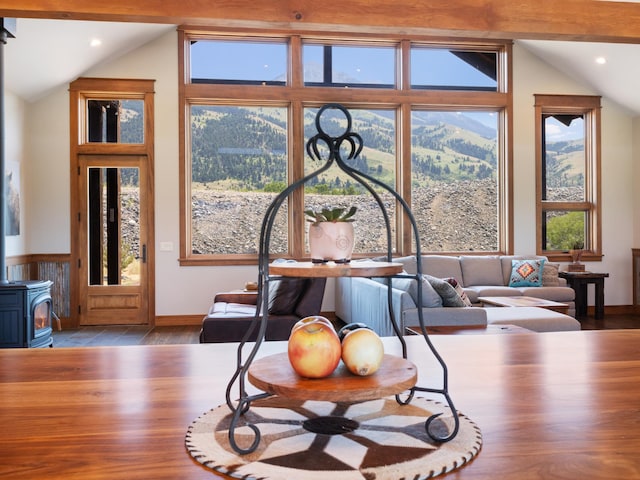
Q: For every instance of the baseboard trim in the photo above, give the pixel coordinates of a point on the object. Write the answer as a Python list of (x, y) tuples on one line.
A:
[(615, 310), (178, 320)]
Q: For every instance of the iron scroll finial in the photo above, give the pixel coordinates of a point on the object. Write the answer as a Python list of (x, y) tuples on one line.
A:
[(334, 143)]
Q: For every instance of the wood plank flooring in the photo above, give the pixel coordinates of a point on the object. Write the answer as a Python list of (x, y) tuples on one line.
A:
[(610, 322), (145, 335), (126, 335)]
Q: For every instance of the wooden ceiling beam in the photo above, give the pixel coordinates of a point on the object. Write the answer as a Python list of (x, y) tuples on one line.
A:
[(587, 20)]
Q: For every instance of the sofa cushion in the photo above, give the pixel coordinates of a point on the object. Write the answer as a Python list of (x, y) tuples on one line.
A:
[(555, 294), (450, 297), (283, 295), (550, 276), (481, 270), (526, 273), (229, 309), (408, 263), (442, 266)]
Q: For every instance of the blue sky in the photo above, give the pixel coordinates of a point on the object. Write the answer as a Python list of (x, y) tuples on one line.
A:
[(556, 131), (268, 61)]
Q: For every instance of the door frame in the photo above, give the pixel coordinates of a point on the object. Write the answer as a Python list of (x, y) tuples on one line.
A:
[(80, 91)]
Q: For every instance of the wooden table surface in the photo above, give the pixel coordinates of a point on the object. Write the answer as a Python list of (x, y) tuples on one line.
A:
[(551, 405)]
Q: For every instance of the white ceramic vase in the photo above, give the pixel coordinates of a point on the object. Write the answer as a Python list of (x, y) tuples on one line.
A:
[(331, 241)]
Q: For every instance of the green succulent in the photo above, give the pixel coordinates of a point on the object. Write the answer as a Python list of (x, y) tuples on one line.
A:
[(337, 214)]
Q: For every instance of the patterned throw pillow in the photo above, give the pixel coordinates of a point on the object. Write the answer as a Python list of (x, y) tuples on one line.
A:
[(526, 273), (458, 288), (450, 297)]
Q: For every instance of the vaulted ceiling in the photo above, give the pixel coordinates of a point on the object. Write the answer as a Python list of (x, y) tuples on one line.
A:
[(49, 53)]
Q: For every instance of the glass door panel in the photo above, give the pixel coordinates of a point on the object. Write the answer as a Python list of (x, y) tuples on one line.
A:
[(115, 250)]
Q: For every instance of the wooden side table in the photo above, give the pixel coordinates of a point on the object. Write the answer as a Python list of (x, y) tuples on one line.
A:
[(579, 281), (247, 297)]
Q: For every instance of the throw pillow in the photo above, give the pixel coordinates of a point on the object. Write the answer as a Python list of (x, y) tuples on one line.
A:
[(550, 276), (458, 288), (283, 295), (310, 299), (526, 273), (430, 297), (450, 297)]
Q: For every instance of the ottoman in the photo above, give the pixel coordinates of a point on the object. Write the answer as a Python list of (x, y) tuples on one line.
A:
[(532, 318)]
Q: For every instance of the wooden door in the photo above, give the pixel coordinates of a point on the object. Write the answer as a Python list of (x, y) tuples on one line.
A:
[(112, 209), (113, 251)]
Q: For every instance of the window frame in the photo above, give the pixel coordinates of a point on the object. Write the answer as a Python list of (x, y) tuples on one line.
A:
[(590, 107), (296, 96)]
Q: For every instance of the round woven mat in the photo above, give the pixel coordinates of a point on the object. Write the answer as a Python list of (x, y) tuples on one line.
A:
[(383, 440)]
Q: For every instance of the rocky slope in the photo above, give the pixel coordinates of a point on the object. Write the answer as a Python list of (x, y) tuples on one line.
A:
[(451, 217)]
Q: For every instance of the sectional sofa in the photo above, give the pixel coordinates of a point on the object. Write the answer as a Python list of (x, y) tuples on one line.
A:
[(290, 299), (366, 299)]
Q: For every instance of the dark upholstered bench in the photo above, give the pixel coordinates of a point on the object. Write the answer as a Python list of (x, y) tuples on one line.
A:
[(291, 299)]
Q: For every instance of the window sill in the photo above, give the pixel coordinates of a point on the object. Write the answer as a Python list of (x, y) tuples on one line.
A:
[(566, 258)]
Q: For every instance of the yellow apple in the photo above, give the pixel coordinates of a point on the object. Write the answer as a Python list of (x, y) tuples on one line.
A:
[(362, 351)]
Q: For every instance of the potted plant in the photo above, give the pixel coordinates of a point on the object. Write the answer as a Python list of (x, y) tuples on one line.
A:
[(331, 234), (576, 254), (576, 251)]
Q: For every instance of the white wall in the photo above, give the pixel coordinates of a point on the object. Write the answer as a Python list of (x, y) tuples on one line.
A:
[(48, 194), (531, 76), (189, 290)]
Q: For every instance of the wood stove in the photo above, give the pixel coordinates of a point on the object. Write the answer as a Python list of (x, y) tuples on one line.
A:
[(25, 314)]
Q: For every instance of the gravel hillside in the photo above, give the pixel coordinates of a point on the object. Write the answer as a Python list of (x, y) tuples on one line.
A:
[(458, 217)]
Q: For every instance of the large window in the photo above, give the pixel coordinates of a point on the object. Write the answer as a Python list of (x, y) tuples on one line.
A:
[(238, 165), (454, 180), (568, 171), (433, 118)]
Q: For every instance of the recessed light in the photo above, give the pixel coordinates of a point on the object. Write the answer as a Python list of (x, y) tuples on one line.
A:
[(601, 60), (95, 42)]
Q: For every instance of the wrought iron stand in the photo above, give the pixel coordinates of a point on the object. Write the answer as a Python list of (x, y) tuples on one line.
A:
[(353, 143)]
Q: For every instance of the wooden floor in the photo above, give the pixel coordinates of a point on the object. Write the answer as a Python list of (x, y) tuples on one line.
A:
[(126, 335), (610, 322), (144, 335)]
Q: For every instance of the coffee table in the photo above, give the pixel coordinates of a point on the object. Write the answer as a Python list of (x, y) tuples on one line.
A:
[(524, 301)]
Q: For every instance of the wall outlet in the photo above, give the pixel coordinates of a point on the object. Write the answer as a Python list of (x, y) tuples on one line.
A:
[(166, 246)]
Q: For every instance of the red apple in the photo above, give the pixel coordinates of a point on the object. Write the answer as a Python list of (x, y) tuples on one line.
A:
[(362, 351), (313, 318), (314, 347)]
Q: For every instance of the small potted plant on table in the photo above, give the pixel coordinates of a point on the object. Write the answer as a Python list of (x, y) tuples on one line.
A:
[(576, 254), (331, 234)]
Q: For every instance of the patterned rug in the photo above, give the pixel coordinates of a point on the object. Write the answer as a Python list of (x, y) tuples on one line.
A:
[(319, 440)]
